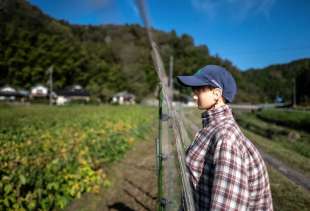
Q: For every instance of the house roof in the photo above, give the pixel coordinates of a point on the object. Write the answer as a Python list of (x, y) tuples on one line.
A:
[(7, 89), (23, 92), (39, 86), (124, 94), (12, 94), (73, 91)]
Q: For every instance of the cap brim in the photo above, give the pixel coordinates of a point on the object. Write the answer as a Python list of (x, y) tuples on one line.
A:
[(191, 81)]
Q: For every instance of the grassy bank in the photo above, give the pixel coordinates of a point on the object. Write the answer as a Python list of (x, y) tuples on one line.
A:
[(295, 119), (286, 195), (291, 139), (289, 157)]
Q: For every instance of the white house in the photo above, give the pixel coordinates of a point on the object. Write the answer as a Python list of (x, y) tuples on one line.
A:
[(8, 89), (7, 93), (12, 94), (61, 100), (72, 93), (39, 91), (123, 98)]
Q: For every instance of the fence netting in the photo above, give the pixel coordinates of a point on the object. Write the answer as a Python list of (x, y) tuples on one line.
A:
[(175, 178)]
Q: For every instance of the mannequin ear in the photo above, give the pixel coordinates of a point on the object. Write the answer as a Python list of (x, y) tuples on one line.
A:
[(218, 92)]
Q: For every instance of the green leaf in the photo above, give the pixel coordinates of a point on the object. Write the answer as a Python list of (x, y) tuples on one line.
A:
[(32, 204), (53, 186), (6, 202), (22, 179), (61, 201), (8, 188)]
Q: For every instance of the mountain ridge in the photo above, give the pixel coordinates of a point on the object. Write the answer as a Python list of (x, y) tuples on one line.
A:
[(104, 59)]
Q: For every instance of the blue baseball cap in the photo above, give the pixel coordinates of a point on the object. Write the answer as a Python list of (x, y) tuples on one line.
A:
[(215, 76)]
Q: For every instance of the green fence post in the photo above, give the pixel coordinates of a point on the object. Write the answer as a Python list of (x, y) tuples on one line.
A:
[(159, 153)]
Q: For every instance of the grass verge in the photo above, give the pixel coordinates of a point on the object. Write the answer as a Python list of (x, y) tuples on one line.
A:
[(286, 195)]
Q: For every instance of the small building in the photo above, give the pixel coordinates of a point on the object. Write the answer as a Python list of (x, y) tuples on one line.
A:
[(22, 95), (61, 100), (39, 91), (279, 99), (7, 93), (72, 93), (123, 98), (8, 89)]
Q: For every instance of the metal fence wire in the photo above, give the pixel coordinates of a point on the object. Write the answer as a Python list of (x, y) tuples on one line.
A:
[(167, 150)]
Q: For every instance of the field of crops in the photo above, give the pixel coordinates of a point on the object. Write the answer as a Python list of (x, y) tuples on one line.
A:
[(51, 155)]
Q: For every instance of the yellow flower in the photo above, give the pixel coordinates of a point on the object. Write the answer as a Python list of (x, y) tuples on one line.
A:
[(95, 189), (130, 140), (101, 173)]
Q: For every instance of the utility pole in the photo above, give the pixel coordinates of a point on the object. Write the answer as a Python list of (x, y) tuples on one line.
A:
[(170, 81), (50, 81), (294, 92)]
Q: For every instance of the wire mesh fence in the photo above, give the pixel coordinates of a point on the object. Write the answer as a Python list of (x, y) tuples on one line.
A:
[(178, 131)]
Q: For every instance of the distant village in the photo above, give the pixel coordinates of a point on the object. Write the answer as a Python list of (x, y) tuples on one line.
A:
[(71, 94)]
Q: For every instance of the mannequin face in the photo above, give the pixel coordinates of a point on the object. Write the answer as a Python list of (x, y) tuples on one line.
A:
[(208, 97)]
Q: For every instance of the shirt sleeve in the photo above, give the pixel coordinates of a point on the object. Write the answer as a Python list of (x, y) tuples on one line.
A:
[(230, 183)]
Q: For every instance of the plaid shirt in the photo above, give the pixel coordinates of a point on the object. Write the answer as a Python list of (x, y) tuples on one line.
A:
[(226, 170)]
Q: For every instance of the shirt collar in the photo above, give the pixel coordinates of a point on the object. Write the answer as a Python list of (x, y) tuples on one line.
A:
[(216, 115)]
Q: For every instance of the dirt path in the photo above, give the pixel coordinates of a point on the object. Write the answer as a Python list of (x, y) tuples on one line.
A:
[(293, 175), (296, 177), (133, 183)]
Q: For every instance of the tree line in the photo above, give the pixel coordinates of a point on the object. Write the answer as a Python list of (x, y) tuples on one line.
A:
[(109, 58)]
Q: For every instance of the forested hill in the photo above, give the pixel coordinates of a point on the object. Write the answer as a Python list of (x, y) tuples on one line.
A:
[(280, 80), (104, 59)]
